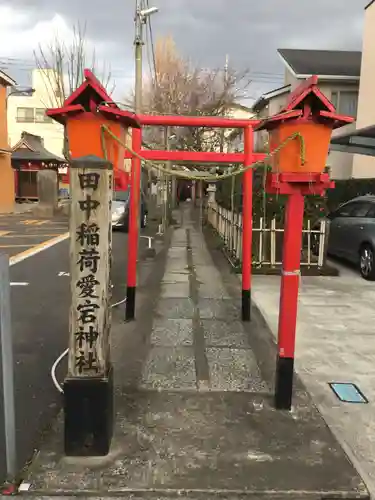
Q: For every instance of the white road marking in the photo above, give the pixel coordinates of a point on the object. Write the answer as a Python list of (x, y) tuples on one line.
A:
[(16, 283), (34, 222), (63, 273), (37, 249)]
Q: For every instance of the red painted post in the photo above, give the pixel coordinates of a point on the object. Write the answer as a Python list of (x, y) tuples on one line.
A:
[(289, 300), (135, 189), (247, 225)]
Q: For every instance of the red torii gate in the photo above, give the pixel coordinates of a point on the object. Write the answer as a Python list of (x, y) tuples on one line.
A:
[(246, 158), (89, 108)]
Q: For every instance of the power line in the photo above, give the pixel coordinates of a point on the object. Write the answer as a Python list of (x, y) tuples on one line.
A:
[(152, 44)]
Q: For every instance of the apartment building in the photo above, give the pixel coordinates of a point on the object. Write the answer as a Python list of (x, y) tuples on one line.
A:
[(339, 74), (26, 113)]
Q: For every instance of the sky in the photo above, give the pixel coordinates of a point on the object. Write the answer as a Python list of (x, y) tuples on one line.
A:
[(205, 31)]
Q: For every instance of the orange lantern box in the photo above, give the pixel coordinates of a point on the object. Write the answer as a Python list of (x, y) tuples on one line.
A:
[(309, 117), (84, 113)]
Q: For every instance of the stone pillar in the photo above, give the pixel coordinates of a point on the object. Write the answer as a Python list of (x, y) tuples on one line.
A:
[(174, 192), (193, 192), (47, 185), (211, 190), (88, 388)]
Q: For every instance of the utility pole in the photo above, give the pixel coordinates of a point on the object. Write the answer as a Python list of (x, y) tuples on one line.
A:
[(225, 83), (138, 43), (140, 19)]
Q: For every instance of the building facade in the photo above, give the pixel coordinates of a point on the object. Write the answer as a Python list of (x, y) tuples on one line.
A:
[(339, 74), (364, 166), (7, 197), (29, 156), (26, 113)]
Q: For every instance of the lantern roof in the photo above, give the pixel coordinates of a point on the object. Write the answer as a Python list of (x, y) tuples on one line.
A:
[(91, 97), (307, 103)]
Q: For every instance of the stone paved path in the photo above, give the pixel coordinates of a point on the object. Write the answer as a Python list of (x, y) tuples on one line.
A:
[(194, 408), (198, 343)]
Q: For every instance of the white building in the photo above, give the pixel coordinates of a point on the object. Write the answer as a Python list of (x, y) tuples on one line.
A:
[(26, 113)]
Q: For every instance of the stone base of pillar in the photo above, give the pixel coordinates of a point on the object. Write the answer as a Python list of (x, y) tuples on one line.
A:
[(88, 408)]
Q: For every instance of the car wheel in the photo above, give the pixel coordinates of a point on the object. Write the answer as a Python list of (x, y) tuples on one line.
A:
[(366, 262)]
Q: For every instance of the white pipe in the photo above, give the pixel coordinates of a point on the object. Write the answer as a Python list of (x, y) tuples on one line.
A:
[(149, 238), (65, 353)]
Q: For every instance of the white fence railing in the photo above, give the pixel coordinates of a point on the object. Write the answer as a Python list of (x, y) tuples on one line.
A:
[(267, 241)]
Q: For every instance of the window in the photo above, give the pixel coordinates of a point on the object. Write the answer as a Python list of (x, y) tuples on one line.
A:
[(41, 117), (334, 99), (360, 209), (355, 209), (25, 115), (371, 212), (345, 102), (344, 211), (31, 115)]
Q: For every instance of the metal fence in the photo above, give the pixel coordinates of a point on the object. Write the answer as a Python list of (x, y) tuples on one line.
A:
[(267, 241)]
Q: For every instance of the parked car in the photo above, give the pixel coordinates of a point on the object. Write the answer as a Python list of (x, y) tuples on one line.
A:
[(352, 234), (120, 210)]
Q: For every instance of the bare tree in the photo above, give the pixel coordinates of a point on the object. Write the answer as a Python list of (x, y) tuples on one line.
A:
[(182, 89), (62, 66)]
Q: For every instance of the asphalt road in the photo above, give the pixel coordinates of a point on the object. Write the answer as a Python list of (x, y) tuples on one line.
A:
[(21, 233), (40, 324)]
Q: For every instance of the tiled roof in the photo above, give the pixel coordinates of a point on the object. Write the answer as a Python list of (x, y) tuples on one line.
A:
[(31, 148)]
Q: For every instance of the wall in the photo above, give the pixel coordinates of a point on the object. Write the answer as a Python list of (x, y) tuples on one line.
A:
[(3, 119), (274, 106), (7, 194), (341, 164), (50, 131), (290, 79), (364, 166)]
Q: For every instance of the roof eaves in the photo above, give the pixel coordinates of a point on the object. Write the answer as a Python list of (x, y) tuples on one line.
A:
[(330, 77), (36, 156), (7, 79), (259, 104), (276, 92), (264, 99), (286, 64), (22, 142)]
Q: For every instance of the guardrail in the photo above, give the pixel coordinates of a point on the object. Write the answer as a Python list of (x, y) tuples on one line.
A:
[(267, 239)]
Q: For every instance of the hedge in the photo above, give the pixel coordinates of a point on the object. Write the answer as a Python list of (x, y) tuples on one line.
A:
[(316, 207)]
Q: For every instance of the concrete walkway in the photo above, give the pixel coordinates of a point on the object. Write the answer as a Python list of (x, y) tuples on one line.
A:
[(194, 409), (335, 343)]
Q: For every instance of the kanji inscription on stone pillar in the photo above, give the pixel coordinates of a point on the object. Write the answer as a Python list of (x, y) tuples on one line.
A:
[(90, 262)]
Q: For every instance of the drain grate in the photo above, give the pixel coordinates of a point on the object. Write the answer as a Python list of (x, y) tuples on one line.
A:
[(348, 392)]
